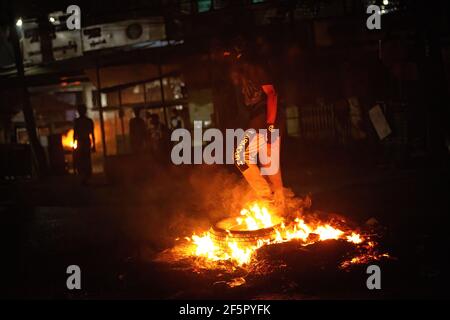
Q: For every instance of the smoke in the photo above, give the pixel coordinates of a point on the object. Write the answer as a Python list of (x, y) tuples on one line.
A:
[(209, 193), (177, 201), (222, 193)]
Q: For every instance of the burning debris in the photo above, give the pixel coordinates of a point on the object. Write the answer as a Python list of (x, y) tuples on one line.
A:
[(68, 141), (233, 243)]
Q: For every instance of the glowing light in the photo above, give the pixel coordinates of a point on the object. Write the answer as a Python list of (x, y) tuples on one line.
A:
[(354, 238), (205, 246), (255, 217), (67, 140), (327, 232), (19, 22), (230, 251)]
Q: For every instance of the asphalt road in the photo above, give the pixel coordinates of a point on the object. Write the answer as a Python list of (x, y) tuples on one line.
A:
[(114, 232)]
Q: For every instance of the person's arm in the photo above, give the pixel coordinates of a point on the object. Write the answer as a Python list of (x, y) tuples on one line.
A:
[(271, 94), (75, 132), (93, 135), (271, 117)]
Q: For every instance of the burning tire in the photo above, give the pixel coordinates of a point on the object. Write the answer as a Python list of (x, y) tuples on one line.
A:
[(227, 230)]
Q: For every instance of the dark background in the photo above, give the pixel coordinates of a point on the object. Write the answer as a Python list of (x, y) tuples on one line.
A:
[(321, 54)]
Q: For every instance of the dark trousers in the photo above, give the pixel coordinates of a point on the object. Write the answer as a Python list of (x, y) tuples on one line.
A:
[(82, 161)]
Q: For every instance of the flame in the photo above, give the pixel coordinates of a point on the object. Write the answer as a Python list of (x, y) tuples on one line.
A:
[(327, 232), (241, 255), (255, 217), (67, 140), (364, 258), (355, 238), (206, 248)]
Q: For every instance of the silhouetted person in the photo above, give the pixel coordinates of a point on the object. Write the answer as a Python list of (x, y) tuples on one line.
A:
[(137, 132), (158, 138), (85, 142), (176, 121)]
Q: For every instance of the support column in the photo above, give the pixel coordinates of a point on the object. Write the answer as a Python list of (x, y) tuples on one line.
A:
[(30, 123), (163, 100), (100, 109)]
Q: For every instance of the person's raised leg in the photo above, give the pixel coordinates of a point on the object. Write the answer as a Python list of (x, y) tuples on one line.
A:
[(245, 160), (271, 167)]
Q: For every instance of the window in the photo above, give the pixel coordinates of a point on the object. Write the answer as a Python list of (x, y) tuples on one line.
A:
[(204, 5)]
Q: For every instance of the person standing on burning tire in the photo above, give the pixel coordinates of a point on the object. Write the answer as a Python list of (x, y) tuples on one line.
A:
[(258, 153)]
